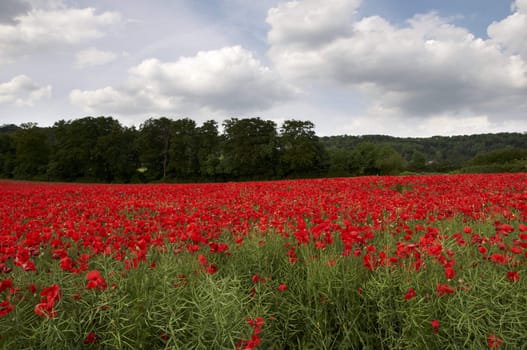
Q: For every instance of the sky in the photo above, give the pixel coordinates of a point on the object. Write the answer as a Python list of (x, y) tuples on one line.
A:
[(407, 68)]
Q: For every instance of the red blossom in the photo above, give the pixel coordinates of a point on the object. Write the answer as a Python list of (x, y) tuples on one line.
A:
[(435, 326), (202, 259), (5, 308), (256, 324), (513, 276), (6, 284), (450, 273), (410, 294), (498, 258), (91, 338), (95, 280), (493, 341), (52, 293), (443, 289), (212, 269), (49, 296)]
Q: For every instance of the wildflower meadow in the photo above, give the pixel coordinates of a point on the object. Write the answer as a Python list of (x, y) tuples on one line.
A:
[(380, 262)]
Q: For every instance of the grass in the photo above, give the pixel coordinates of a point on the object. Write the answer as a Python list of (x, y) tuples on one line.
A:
[(331, 301)]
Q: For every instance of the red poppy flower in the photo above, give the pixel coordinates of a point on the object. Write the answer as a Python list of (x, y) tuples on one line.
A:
[(450, 273), (50, 296), (443, 289), (91, 338), (6, 284), (493, 341), (212, 269), (435, 326), (282, 287), (52, 293), (513, 276), (95, 280), (5, 308), (45, 309), (498, 258), (410, 294)]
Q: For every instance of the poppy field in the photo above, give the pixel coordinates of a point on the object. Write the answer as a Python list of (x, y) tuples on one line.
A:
[(409, 262)]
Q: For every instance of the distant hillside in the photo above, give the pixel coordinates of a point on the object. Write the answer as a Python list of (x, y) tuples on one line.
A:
[(442, 152)]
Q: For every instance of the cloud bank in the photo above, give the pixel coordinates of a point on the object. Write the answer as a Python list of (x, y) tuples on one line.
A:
[(228, 79), (22, 91), (428, 68), (317, 60), (41, 30)]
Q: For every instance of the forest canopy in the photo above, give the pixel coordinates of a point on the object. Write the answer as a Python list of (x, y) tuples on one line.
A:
[(100, 149)]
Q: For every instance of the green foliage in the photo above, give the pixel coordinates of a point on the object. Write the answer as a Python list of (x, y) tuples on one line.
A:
[(445, 153), (513, 167), (500, 156), (250, 148), (32, 151), (153, 144), (7, 155), (368, 158), (95, 149), (183, 149), (300, 149), (389, 161), (418, 162), (102, 150), (331, 301), (508, 159), (208, 148), (339, 160)]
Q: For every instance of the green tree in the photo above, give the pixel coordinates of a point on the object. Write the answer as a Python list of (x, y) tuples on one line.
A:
[(250, 148), (209, 152), (32, 151), (418, 162), (389, 161), (183, 149), (301, 151), (499, 156), (153, 144), (363, 159), (116, 154), (339, 161), (7, 155), (84, 148)]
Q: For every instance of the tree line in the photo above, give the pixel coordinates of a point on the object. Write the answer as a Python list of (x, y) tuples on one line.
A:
[(100, 149)]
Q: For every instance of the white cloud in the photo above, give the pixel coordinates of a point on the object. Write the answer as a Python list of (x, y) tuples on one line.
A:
[(43, 29), (108, 99), (426, 68), (228, 79), (519, 6), (22, 91), (511, 32), (378, 121), (93, 57), (310, 22)]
